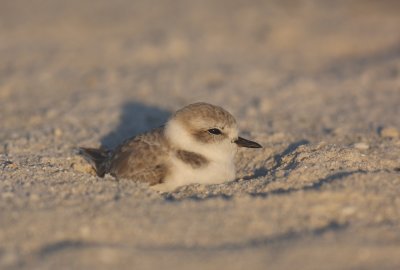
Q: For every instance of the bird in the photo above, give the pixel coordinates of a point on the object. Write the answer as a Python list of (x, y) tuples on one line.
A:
[(197, 145)]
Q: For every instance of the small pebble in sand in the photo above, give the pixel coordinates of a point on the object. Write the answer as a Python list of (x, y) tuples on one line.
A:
[(34, 197), (58, 132), (80, 166), (361, 146), (389, 132), (9, 165)]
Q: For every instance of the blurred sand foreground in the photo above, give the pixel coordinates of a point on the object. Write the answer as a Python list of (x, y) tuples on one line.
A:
[(316, 82)]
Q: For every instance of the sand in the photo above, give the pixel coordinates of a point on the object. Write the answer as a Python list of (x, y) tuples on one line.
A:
[(317, 83)]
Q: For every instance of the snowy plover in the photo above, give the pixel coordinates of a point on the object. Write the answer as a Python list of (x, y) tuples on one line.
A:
[(196, 145)]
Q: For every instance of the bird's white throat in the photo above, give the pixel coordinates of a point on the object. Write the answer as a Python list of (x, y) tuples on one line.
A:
[(220, 156)]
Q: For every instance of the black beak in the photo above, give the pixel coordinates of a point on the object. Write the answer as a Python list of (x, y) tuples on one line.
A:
[(246, 143)]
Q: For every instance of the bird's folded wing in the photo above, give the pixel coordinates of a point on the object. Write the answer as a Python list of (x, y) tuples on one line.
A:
[(143, 158)]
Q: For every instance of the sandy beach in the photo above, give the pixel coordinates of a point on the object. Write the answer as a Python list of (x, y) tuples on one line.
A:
[(317, 83)]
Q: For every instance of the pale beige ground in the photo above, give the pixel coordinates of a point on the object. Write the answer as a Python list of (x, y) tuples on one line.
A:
[(316, 82)]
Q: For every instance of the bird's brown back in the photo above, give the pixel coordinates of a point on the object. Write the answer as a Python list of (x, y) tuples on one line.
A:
[(142, 158)]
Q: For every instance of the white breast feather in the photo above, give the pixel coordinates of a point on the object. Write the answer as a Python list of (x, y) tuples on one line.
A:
[(220, 168)]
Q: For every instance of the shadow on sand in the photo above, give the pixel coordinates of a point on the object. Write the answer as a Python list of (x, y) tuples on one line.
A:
[(135, 118)]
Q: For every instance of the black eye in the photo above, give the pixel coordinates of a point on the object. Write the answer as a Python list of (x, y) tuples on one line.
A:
[(215, 131)]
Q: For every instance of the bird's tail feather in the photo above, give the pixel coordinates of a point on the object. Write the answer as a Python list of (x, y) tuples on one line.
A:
[(98, 158)]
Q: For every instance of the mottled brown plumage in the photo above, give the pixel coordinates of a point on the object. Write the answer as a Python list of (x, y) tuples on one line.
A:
[(197, 145), (143, 158)]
